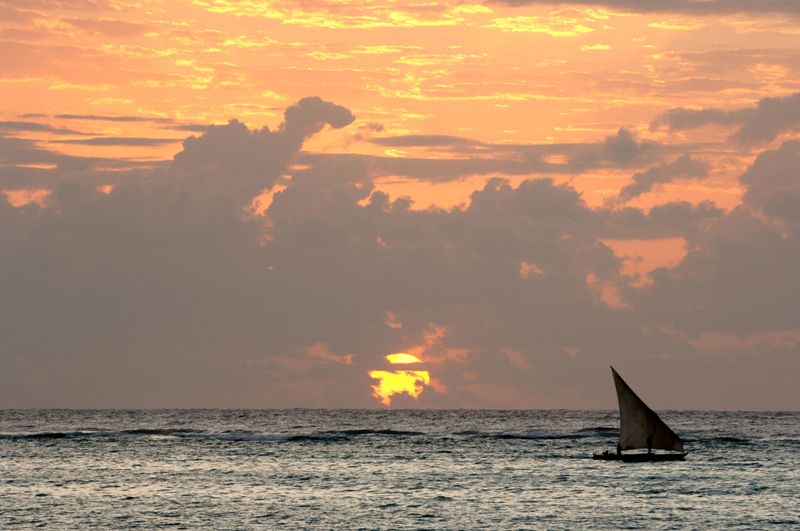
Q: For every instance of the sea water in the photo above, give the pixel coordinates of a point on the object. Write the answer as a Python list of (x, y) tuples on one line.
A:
[(389, 469)]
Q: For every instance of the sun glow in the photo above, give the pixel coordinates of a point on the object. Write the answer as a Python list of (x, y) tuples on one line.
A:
[(403, 358), (392, 383)]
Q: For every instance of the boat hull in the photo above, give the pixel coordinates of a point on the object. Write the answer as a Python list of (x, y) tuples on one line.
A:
[(639, 458)]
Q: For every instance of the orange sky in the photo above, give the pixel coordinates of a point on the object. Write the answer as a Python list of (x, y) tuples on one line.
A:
[(538, 74), (488, 72), (446, 96)]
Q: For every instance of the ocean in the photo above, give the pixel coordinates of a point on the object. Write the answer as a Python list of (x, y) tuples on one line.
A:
[(393, 469)]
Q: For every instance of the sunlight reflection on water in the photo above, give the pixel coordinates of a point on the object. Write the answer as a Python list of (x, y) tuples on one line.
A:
[(398, 469)]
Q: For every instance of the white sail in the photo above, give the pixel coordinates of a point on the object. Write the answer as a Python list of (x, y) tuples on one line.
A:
[(639, 426)]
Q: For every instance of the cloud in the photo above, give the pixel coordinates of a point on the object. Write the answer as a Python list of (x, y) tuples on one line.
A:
[(164, 291), (15, 151), (757, 125), (118, 141), (165, 253), (36, 127), (310, 115), (621, 150), (107, 118), (735, 279), (684, 119), (689, 7), (260, 157), (644, 181), (193, 128), (420, 140), (773, 185)]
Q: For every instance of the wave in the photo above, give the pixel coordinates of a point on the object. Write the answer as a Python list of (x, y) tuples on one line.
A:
[(583, 433), (224, 436), (322, 436), (537, 435), (600, 430), (44, 435), (728, 440), (175, 432), (382, 432)]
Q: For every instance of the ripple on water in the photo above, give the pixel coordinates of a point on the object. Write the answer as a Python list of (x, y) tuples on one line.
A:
[(377, 469)]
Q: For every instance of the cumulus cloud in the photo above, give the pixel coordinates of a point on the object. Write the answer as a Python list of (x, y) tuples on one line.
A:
[(736, 278), (644, 181), (259, 157), (757, 125), (623, 149), (163, 291), (773, 185)]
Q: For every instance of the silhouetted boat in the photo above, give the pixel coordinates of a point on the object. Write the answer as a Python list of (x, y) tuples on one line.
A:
[(640, 428)]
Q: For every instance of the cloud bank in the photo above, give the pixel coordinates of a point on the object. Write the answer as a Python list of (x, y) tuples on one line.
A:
[(757, 125), (167, 290)]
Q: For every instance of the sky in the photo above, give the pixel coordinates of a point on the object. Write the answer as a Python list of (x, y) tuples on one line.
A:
[(258, 204)]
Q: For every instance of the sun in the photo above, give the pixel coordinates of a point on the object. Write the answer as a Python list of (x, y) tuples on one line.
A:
[(392, 383)]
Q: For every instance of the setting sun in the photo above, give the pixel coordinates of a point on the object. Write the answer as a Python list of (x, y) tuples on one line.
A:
[(403, 358), (392, 383)]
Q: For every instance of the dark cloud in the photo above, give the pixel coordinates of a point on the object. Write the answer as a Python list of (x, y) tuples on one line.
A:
[(36, 127), (14, 151), (258, 158), (736, 277), (773, 185), (772, 116), (644, 181), (669, 220), (165, 292), (758, 125), (621, 150), (420, 140), (685, 119), (432, 169), (738, 62), (107, 118), (118, 141), (625, 148), (690, 7), (310, 115), (193, 128)]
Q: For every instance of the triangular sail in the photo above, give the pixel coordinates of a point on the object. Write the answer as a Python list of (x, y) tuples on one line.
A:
[(638, 423)]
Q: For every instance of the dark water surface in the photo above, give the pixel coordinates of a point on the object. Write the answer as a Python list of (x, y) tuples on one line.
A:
[(389, 469)]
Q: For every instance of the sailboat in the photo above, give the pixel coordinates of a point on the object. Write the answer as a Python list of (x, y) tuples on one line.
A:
[(639, 428)]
